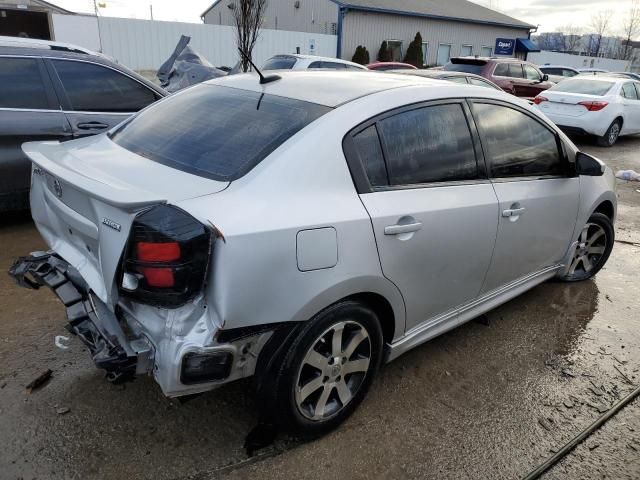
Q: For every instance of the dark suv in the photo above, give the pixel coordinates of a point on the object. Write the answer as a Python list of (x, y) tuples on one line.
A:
[(57, 92), (514, 76)]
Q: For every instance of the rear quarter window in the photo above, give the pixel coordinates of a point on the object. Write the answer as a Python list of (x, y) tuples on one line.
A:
[(21, 84), (279, 63), (215, 132)]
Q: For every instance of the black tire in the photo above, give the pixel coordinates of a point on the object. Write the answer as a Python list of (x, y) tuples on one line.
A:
[(279, 384), (611, 135), (597, 261)]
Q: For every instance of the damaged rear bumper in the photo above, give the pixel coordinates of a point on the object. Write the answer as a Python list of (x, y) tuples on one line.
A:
[(88, 317), (184, 350)]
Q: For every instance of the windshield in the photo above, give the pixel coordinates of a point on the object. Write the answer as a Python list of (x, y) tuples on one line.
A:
[(215, 132), (587, 87)]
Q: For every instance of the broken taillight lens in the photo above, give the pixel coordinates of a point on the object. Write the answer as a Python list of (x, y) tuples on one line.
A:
[(166, 259)]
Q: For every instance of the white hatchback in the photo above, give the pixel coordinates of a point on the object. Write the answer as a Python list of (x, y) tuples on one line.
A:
[(606, 106)]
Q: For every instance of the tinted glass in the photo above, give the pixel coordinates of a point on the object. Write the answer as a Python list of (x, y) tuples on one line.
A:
[(552, 71), (568, 73), (515, 70), (279, 63), (628, 91), (482, 83), (94, 88), (430, 144), (369, 150), (215, 132), (21, 84), (531, 73), (516, 144), (502, 70), (331, 65), (589, 87)]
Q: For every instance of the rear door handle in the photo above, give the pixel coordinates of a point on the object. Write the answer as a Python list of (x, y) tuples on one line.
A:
[(513, 212), (92, 126), (400, 229)]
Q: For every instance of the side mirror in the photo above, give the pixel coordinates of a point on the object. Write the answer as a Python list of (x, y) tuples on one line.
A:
[(545, 78), (589, 166)]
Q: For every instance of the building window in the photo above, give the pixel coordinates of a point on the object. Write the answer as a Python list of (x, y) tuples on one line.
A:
[(334, 28), (396, 49), (444, 53), (425, 53), (466, 51), (486, 52)]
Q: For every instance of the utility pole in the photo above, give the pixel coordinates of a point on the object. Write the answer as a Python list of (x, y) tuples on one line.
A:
[(151, 10), (95, 8)]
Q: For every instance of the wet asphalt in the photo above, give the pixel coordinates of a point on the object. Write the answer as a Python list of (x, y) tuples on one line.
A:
[(480, 402)]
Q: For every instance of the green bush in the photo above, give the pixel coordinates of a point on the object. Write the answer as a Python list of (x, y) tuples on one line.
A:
[(361, 56), (414, 52), (384, 54)]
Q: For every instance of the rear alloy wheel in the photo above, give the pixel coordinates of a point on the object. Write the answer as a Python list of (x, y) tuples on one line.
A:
[(326, 369), (594, 247), (611, 135)]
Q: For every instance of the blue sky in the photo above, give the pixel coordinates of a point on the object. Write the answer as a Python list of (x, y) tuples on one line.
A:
[(549, 14)]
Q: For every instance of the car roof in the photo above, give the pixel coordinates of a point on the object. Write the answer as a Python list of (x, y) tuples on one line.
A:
[(558, 66), (486, 59), (37, 44), (320, 86), (599, 78), (436, 73)]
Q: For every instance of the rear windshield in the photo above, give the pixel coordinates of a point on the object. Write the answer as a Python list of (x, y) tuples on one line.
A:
[(587, 87), (282, 62), (215, 132), (475, 67)]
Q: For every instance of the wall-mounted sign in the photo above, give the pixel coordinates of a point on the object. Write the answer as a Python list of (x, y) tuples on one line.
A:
[(504, 46)]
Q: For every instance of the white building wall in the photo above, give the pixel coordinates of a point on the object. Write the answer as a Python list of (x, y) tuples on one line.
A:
[(146, 44), (313, 16), (578, 61), (77, 29), (370, 29)]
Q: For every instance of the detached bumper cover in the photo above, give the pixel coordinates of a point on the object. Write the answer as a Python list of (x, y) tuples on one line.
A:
[(88, 317)]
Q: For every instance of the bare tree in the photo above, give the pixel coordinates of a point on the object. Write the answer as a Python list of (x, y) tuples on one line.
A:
[(572, 36), (248, 16), (631, 28), (600, 23)]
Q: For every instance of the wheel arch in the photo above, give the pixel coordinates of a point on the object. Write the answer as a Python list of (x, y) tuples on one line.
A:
[(606, 208)]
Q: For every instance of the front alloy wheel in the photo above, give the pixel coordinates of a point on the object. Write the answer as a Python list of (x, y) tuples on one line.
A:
[(594, 246)]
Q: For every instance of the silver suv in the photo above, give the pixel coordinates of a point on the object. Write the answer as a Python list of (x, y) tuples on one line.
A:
[(306, 233)]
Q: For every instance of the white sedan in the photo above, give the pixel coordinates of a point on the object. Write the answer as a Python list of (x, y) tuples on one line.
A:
[(307, 62), (606, 106)]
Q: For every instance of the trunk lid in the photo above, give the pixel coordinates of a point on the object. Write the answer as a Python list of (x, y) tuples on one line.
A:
[(562, 103), (85, 195)]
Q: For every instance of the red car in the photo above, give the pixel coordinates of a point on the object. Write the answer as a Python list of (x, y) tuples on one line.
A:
[(518, 77), (382, 66)]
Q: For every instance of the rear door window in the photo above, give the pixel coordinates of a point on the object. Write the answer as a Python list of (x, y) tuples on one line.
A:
[(515, 70), (502, 70), (22, 85), (94, 88), (215, 132), (429, 144), (515, 144)]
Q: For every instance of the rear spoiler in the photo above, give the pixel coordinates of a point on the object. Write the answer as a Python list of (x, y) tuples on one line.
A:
[(467, 61), (50, 157)]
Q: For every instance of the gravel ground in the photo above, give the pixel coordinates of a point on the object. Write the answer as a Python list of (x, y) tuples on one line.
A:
[(478, 402)]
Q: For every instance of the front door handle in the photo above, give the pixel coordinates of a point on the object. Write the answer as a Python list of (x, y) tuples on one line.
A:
[(400, 229), (92, 126), (513, 212)]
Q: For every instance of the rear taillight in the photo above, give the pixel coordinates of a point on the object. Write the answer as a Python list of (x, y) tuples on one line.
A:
[(594, 106), (538, 100), (166, 259)]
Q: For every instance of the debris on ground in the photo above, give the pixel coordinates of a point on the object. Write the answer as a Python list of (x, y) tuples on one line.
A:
[(63, 410), (186, 67), (628, 175), (544, 423), (627, 379), (568, 373), (39, 381)]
